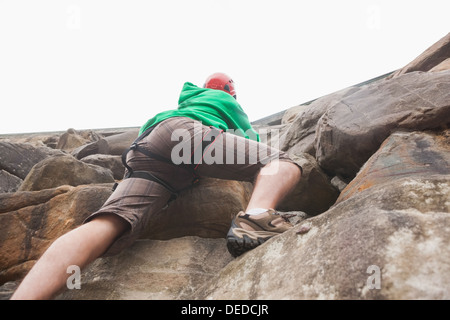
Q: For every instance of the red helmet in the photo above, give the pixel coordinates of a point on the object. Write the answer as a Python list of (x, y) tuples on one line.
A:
[(220, 81)]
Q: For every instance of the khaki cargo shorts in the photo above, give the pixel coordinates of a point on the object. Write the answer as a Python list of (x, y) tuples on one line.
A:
[(194, 153)]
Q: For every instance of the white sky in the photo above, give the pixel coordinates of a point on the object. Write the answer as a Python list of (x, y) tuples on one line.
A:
[(105, 64)]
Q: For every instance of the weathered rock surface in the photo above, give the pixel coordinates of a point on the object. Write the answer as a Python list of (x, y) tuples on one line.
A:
[(403, 154), (354, 128), (72, 139), (30, 221), (19, 158), (153, 269), (432, 57), (112, 145), (64, 170), (444, 65), (111, 162), (331, 260), (388, 241), (9, 182), (300, 134), (37, 140)]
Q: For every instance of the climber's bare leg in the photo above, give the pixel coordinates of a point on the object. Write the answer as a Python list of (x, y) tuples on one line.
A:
[(275, 181), (78, 247)]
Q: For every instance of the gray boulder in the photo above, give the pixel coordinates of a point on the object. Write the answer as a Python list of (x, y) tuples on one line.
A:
[(9, 182), (113, 163), (72, 139), (299, 137), (429, 59), (153, 270), (32, 220), (19, 158), (404, 154), (113, 145), (64, 170), (354, 128)]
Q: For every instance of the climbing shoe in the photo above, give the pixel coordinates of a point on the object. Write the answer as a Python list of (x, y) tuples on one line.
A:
[(249, 231)]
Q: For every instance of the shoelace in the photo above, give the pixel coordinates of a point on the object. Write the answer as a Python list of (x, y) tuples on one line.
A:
[(285, 217)]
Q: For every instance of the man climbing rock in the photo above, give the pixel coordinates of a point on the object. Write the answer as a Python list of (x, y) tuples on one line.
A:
[(208, 135)]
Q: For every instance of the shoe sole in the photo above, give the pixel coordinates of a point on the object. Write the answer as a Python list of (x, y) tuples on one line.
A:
[(240, 240)]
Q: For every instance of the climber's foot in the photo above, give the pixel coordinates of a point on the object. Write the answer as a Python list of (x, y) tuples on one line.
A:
[(249, 231)]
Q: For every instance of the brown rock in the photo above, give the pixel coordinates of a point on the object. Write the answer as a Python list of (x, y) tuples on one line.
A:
[(73, 139), (32, 220), (9, 182), (332, 256), (153, 270), (19, 158), (44, 139), (353, 129), (386, 238), (444, 65), (64, 170), (429, 59), (113, 163), (112, 145), (299, 136), (291, 113), (403, 154), (17, 200)]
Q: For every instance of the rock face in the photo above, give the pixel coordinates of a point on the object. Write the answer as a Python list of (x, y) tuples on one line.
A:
[(300, 133), (403, 154), (19, 158), (112, 145), (385, 238), (371, 214), (9, 182), (32, 220), (111, 162), (171, 269), (333, 259), (64, 170), (433, 57), (354, 128), (73, 139)]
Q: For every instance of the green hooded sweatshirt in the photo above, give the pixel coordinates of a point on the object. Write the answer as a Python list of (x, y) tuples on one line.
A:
[(211, 107)]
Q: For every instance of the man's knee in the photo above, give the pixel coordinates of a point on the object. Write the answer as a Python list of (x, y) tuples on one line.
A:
[(111, 221), (280, 167)]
